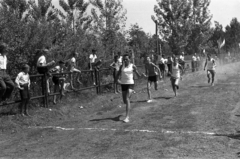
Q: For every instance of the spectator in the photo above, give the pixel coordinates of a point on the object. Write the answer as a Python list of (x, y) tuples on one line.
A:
[(23, 83), (115, 65), (74, 69), (6, 83), (43, 67), (194, 62), (92, 62), (58, 80), (162, 64), (119, 58)]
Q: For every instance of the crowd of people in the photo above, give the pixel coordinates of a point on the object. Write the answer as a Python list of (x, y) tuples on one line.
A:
[(123, 75)]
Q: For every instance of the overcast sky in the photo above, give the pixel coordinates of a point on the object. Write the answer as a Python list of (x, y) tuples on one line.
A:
[(140, 11)]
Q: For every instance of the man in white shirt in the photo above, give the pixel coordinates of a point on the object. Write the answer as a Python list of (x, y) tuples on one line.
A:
[(6, 84), (92, 62), (73, 69), (92, 59), (43, 67), (194, 62)]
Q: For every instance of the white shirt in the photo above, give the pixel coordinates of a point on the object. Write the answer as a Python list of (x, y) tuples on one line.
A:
[(181, 57), (41, 61), (22, 78), (127, 74), (57, 69), (92, 58), (3, 62), (176, 71), (162, 61), (120, 60), (211, 64), (194, 58)]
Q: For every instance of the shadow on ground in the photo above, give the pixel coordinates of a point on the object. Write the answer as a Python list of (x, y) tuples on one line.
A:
[(117, 118)]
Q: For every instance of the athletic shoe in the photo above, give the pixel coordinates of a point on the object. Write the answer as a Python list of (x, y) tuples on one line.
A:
[(126, 120), (149, 101)]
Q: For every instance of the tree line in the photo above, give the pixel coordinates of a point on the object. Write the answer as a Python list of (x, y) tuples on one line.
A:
[(81, 25)]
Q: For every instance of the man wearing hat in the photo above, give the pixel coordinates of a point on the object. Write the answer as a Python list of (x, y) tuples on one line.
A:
[(6, 83)]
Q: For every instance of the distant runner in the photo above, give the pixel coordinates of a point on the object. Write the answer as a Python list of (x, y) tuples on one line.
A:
[(211, 65), (152, 72), (176, 75), (127, 82)]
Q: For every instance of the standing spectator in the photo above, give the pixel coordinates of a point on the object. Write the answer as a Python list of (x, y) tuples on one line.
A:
[(6, 83), (92, 61), (198, 63), (23, 83), (162, 63), (43, 67), (169, 65), (181, 60), (115, 65), (119, 58), (74, 69), (58, 80), (194, 60)]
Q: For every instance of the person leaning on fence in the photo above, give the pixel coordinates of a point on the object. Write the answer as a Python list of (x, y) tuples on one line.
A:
[(58, 80), (6, 84), (43, 67), (23, 83), (115, 65), (127, 83)]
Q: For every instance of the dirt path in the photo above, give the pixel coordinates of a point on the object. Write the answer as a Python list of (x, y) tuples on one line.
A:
[(202, 122)]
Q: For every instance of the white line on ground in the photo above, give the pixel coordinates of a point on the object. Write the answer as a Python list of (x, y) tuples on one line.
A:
[(125, 130)]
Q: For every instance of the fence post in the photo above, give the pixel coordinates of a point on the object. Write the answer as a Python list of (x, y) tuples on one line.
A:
[(43, 90), (99, 82), (46, 89), (96, 80)]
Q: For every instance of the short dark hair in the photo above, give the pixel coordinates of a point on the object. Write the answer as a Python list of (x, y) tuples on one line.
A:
[(94, 50), (116, 57), (61, 62), (25, 66), (126, 55), (3, 46)]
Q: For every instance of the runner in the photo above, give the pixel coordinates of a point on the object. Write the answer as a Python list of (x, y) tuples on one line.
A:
[(211, 65), (58, 80), (162, 64), (151, 72), (23, 83), (127, 82), (176, 75), (6, 84), (115, 65)]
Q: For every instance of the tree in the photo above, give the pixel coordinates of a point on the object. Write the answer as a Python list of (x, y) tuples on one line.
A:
[(108, 23), (183, 20), (232, 34)]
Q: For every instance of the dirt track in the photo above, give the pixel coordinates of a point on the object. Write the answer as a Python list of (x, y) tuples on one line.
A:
[(202, 122)]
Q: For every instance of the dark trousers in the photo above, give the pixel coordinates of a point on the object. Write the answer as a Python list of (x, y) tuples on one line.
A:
[(6, 85)]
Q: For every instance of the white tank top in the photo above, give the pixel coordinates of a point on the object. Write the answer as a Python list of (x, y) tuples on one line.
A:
[(175, 71), (210, 64), (127, 74)]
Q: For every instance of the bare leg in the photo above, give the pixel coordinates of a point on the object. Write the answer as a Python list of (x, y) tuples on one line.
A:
[(55, 96), (126, 96), (213, 76), (149, 90)]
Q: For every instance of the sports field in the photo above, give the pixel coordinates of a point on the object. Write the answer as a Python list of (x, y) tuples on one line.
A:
[(202, 122)]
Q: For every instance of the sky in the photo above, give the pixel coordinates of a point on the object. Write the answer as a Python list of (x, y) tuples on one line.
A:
[(140, 11)]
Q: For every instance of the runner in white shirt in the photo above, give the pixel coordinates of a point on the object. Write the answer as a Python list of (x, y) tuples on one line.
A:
[(126, 73), (211, 65), (176, 75)]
